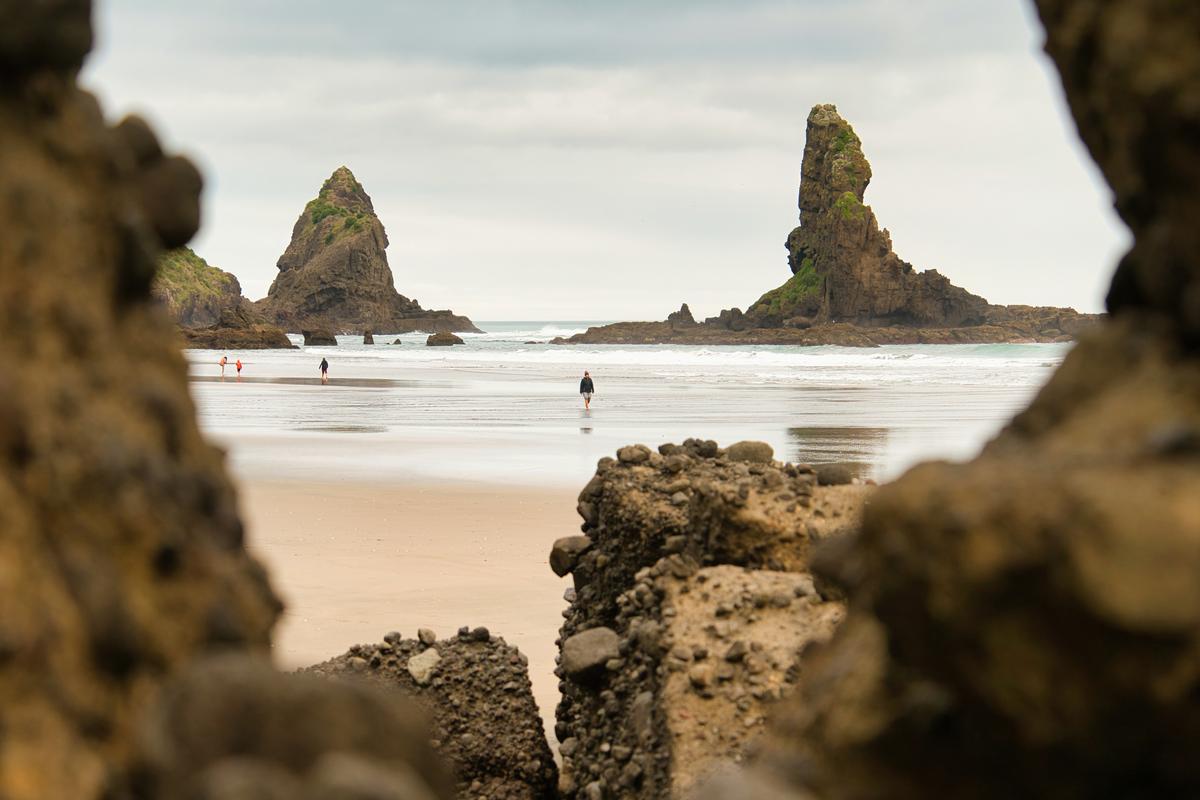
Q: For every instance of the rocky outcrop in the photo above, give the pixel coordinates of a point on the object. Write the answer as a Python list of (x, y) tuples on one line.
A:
[(848, 287), (443, 340), (1038, 325), (238, 328), (121, 557), (319, 337), (335, 274), (193, 292), (1025, 625), (122, 560), (682, 318), (691, 604), (476, 692), (843, 266)]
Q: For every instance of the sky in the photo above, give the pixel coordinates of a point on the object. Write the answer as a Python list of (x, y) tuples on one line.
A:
[(571, 160)]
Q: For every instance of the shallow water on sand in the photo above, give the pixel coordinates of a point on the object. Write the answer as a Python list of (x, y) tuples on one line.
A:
[(501, 409)]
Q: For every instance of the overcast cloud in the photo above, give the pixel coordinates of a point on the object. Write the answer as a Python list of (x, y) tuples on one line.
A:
[(556, 159)]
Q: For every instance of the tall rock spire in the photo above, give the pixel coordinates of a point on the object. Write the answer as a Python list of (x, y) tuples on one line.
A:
[(843, 265)]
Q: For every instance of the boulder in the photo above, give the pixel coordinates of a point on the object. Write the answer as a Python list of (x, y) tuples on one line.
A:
[(443, 340), (755, 452), (239, 328), (319, 337), (834, 474)]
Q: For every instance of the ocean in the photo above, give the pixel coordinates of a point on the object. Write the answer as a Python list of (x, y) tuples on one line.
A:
[(504, 410)]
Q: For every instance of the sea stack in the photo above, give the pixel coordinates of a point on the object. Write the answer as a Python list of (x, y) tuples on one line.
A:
[(334, 272), (848, 287), (843, 266)]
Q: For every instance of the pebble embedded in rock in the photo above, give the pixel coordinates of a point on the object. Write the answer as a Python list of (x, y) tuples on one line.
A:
[(421, 666), (589, 650), (565, 553)]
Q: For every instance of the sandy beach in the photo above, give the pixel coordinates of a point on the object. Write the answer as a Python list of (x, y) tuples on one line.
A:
[(355, 561), (424, 488)]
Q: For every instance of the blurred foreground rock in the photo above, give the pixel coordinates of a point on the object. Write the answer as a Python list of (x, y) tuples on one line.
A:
[(232, 728), (1028, 624), (122, 562)]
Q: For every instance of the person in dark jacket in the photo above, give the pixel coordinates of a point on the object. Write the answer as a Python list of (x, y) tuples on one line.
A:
[(324, 371), (587, 389)]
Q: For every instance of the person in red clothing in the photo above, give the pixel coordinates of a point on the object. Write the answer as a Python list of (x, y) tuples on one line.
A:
[(239, 368)]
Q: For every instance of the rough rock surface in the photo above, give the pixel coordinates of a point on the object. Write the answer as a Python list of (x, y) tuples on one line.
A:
[(682, 318), (232, 728), (688, 613), (239, 328), (335, 274), (193, 292), (848, 287), (843, 266), (319, 337), (476, 691), (121, 552), (443, 340), (1028, 624)]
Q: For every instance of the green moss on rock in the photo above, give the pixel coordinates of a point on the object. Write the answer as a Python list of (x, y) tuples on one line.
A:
[(802, 287), (183, 275), (849, 207)]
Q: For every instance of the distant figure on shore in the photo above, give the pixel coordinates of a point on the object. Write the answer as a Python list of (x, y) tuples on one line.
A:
[(224, 360), (239, 368), (324, 371), (587, 388)]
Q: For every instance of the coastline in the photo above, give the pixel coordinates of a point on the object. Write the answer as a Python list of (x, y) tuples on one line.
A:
[(1059, 329), (353, 561)]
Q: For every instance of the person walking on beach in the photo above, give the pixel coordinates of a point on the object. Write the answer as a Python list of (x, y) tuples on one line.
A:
[(324, 371), (224, 360), (239, 368), (586, 389)]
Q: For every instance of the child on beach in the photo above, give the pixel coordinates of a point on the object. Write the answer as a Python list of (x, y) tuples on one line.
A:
[(586, 389), (239, 368), (224, 360), (324, 371)]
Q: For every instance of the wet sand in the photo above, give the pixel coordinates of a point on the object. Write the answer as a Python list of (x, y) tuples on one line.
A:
[(355, 561)]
